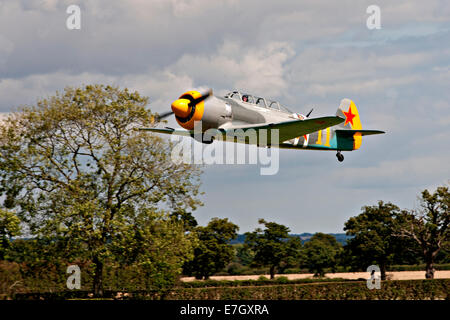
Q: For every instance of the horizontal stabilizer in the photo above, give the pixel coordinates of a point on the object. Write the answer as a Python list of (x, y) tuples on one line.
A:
[(363, 132)]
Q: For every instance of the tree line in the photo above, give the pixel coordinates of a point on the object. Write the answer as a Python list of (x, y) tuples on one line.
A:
[(84, 186), (381, 235)]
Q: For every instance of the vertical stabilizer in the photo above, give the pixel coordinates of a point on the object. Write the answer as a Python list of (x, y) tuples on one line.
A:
[(348, 111)]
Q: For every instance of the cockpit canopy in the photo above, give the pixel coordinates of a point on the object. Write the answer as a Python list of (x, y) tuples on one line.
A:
[(258, 101)]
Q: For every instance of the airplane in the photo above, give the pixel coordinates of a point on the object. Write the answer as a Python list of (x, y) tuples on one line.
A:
[(242, 112)]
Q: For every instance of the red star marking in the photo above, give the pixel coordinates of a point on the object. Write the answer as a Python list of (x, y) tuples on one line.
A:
[(348, 116)]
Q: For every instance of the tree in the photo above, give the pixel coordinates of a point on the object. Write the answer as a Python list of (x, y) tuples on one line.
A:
[(321, 251), (244, 255), (273, 246), (156, 247), (214, 250), (9, 227), (374, 241), (42, 262), (444, 255), (429, 225), (75, 167), (186, 217)]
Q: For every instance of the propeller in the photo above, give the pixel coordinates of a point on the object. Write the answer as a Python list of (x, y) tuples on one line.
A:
[(161, 116), (183, 106), (309, 112), (203, 97)]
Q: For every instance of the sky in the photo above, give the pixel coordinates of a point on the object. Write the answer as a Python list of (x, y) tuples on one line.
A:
[(304, 54)]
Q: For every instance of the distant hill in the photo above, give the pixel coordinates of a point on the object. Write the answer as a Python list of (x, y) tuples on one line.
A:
[(304, 237)]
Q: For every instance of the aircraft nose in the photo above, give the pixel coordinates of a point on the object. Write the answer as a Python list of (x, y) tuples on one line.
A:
[(181, 108)]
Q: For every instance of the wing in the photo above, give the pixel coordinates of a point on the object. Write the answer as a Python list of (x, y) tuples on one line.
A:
[(289, 129), (168, 130)]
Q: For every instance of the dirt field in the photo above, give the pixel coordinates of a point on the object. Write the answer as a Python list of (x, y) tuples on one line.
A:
[(396, 275)]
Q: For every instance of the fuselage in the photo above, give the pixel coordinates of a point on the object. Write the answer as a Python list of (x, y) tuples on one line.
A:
[(243, 113), (243, 118), (237, 109)]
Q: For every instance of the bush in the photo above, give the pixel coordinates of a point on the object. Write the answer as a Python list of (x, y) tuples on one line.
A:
[(10, 279), (282, 280), (234, 269)]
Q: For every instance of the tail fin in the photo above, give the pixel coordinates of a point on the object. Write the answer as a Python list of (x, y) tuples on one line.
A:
[(348, 111)]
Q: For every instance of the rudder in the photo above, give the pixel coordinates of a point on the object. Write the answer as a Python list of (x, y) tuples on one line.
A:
[(348, 111)]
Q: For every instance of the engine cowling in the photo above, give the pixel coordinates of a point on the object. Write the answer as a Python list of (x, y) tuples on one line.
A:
[(187, 114), (212, 112)]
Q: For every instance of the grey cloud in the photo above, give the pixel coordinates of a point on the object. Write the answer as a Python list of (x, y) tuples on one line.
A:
[(259, 69), (304, 53)]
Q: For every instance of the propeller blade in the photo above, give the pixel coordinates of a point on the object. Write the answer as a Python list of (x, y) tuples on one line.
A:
[(309, 113), (161, 116), (204, 96)]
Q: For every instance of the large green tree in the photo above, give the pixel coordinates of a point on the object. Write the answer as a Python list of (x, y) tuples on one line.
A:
[(214, 251), (273, 246), (320, 252), (74, 166), (373, 240), (428, 226), (155, 247), (9, 227)]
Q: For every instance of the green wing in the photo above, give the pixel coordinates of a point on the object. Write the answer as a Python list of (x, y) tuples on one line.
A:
[(290, 129), (166, 130), (286, 130)]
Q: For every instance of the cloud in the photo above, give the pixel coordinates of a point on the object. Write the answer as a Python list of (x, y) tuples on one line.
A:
[(161, 87), (6, 48), (17, 92), (308, 53), (365, 86), (257, 69), (321, 71), (260, 69), (41, 5)]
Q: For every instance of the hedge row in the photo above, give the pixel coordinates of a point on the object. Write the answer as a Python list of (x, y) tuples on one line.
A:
[(390, 290), (262, 281), (400, 289), (20, 278)]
